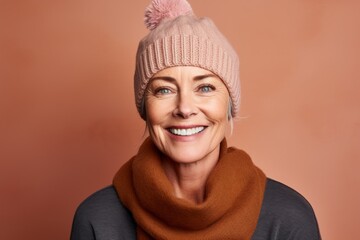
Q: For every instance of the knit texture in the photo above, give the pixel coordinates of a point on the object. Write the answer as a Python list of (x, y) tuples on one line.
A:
[(233, 198), (184, 40)]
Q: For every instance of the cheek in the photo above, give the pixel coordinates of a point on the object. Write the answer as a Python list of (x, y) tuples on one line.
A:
[(156, 113), (217, 109), (156, 110), (151, 116)]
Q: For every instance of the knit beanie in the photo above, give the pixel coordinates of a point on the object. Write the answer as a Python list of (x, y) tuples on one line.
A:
[(178, 38)]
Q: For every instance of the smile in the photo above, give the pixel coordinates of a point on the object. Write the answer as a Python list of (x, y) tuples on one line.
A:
[(186, 132)]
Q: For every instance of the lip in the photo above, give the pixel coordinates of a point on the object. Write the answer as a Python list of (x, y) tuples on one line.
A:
[(186, 126)]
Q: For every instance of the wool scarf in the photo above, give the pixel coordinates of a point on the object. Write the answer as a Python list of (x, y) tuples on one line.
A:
[(230, 210)]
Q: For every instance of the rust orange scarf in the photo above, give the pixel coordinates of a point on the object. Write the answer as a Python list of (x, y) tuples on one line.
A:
[(233, 197)]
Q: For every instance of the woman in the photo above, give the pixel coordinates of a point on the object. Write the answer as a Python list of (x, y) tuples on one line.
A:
[(184, 182)]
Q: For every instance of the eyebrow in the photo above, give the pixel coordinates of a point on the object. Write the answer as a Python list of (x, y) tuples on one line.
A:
[(171, 79), (201, 77), (165, 78)]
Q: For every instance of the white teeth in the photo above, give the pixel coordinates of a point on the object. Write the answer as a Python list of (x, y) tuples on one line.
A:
[(186, 132)]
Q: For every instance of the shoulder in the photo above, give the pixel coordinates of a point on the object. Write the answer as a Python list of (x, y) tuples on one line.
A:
[(102, 216), (100, 202), (278, 195), (286, 214)]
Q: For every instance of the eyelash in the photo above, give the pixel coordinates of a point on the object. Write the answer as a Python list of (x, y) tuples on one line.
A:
[(161, 91), (206, 86), (202, 88)]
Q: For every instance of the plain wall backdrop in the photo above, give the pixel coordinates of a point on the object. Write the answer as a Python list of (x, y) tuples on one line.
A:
[(68, 119)]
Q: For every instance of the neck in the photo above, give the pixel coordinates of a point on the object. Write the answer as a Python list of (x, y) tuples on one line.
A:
[(189, 179)]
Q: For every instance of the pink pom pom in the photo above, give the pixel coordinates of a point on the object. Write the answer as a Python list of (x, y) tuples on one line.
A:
[(165, 9)]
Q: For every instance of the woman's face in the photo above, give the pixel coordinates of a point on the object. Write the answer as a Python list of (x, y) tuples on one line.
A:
[(186, 112)]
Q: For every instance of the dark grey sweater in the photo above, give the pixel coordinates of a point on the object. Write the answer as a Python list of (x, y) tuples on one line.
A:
[(285, 215)]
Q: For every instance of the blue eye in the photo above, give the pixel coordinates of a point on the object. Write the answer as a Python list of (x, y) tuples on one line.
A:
[(206, 88), (162, 91)]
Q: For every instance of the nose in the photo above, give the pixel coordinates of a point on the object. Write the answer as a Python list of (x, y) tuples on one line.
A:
[(185, 106)]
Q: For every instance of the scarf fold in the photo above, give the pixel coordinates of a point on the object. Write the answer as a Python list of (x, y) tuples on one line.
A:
[(233, 198)]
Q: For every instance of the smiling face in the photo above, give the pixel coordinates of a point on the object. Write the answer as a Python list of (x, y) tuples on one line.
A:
[(187, 113)]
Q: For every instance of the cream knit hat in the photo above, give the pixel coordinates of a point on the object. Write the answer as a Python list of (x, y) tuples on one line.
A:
[(179, 38)]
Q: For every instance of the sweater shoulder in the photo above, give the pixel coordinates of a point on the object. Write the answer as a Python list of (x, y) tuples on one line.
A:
[(279, 196), (102, 216), (286, 214), (100, 202)]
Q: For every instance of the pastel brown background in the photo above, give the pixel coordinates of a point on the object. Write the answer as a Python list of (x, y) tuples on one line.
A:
[(68, 119)]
